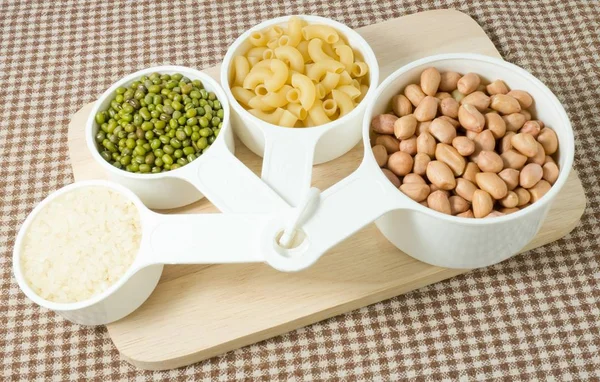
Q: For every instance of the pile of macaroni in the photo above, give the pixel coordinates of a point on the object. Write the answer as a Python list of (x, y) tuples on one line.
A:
[(305, 75)]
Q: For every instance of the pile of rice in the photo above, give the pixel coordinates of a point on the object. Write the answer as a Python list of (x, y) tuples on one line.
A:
[(80, 244)]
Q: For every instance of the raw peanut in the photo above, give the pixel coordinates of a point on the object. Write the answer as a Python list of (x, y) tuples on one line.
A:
[(514, 121), (489, 161), (390, 143), (414, 94), (442, 95), (542, 125), (471, 134), (482, 203), (416, 191), (540, 157), (442, 130), (458, 205), (549, 140), (392, 177), (468, 83), (452, 121), (426, 144), (383, 123), (525, 144), (421, 161), (465, 189), (523, 97), (449, 107), (448, 81), (427, 109), (463, 145), (505, 144), (401, 105), (539, 190), (495, 124), (470, 118), (530, 175), (494, 214), (492, 184), (523, 195), (405, 127), (513, 159), (449, 155), (430, 81), (413, 178), (549, 160), (470, 172), (424, 203), (466, 214), (458, 96), (531, 127), (400, 163), (435, 188), (477, 99), (441, 175), (439, 201), (510, 200), (481, 88), (550, 172), (497, 87), (510, 176), (526, 114), (409, 145), (505, 104), (422, 127), (508, 211), (483, 141), (380, 154)]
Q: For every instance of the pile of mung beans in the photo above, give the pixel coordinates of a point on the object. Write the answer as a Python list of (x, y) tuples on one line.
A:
[(159, 123)]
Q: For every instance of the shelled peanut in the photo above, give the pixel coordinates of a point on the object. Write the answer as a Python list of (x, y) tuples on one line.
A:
[(465, 148)]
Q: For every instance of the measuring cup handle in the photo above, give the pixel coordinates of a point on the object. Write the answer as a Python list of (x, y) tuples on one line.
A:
[(202, 238), (351, 204), (343, 209), (288, 160), (231, 186)]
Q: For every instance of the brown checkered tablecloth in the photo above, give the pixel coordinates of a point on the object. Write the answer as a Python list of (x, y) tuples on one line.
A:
[(536, 316)]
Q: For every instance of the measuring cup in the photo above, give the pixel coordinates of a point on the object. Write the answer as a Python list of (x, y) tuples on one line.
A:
[(166, 239), (427, 235), (289, 153), (216, 174)]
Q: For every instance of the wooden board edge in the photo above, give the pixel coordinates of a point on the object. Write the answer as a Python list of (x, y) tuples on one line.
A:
[(438, 274)]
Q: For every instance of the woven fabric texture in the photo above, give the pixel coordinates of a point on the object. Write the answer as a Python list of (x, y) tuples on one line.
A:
[(534, 317)]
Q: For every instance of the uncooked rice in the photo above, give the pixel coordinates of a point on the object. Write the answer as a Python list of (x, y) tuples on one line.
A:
[(80, 244)]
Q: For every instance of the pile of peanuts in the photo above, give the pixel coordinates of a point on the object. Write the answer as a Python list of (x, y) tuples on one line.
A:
[(461, 147)]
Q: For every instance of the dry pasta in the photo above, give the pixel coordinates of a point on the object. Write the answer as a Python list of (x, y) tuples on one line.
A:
[(298, 75)]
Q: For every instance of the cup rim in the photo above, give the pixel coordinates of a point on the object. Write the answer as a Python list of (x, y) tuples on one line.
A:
[(566, 146), (189, 72), (365, 50), (16, 258)]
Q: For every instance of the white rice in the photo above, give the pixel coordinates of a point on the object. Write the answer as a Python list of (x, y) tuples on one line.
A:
[(80, 244)]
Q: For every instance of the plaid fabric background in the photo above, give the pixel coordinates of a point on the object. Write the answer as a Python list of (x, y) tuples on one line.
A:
[(536, 316)]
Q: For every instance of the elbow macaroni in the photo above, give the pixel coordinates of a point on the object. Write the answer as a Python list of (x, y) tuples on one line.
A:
[(343, 101), (315, 50), (298, 76)]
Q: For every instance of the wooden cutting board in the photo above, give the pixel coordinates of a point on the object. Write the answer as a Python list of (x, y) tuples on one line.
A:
[(197, 312)]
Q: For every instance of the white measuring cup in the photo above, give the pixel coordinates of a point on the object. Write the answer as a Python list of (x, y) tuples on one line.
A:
[(427, 235), (289, 153), (216, 174), (166, 239)]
